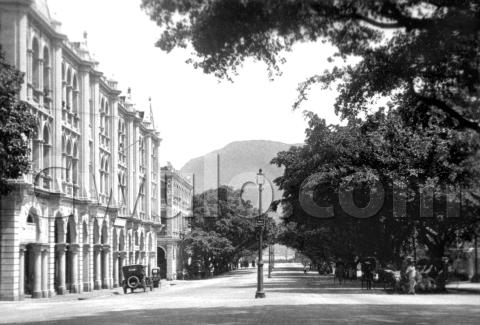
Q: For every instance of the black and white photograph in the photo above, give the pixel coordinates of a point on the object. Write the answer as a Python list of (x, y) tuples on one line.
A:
[(230, 162)]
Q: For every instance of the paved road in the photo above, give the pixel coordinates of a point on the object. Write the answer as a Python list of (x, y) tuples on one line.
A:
[(292, 298)]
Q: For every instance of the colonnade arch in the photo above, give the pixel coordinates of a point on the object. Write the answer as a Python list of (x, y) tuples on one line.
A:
[(86, 252), (32, 254)]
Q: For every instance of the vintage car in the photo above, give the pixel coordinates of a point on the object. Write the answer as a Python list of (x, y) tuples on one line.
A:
[(135, 276), (156, 277)]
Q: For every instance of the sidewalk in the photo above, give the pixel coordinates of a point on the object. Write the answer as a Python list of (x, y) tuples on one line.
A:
[(465, 286), (165, 285)]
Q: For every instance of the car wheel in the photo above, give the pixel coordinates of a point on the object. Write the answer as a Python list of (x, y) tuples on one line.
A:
[(133, 281)]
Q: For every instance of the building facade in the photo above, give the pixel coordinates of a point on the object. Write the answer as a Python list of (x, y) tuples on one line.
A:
[(177, 202), (92, 200)]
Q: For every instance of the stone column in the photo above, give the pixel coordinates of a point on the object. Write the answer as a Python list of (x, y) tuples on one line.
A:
[(151, 262), (115, 269), (75, 287), (171, 262), (86, 267), (37, 272), (106, 269), (123, 258), (51, 256), (91, 263), (21, 277), (45, 273), (61, 290), (98, 267)]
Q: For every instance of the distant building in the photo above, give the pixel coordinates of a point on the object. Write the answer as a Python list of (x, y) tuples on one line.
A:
[(177, 202), (92, 200)]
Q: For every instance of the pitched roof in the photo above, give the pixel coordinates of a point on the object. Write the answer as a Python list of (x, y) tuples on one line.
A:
[(41, 6)]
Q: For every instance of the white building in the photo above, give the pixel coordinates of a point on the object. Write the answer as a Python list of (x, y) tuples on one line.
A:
[(92, 201), (177, 202)]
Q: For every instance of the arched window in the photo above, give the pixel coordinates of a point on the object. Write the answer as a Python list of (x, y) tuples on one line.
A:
[(46, 72), (121, 141), (30, 218), (120, 194), (102, 115), (75, 150), (141, 195), (105, 176), (75, 164), (68, 97), (35, 64), (85, 233), (102, 165), (120, 138), (68, 166), (46, 149), (64, 155), (75, 94), (142, 154), (64, 86), (122, 191), (107, 112)]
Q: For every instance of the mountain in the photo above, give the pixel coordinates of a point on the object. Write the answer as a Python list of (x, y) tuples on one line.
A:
[(239, 163)]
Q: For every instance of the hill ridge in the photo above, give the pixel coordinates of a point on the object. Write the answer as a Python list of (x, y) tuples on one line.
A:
[(237, 158)]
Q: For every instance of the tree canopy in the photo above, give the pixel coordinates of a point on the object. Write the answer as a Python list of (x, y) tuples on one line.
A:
[(384, 149), (223, 230), (424, 55), (17, 127)]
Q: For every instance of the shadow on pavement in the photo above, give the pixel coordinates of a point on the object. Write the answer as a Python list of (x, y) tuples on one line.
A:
[(293, 280), (281, 314)]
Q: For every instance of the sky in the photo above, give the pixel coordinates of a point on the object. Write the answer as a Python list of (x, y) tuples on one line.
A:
[(194, 112)]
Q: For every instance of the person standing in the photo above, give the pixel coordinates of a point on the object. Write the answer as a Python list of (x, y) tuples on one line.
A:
[(411, 273), (367, 274)]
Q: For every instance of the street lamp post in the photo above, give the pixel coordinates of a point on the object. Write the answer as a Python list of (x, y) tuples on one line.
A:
[(270, 260), (260, 181)]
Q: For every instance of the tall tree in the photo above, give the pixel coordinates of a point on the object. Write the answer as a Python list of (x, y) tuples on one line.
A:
[(17, 127), (223, 229), (423, 54), (381, 148)]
